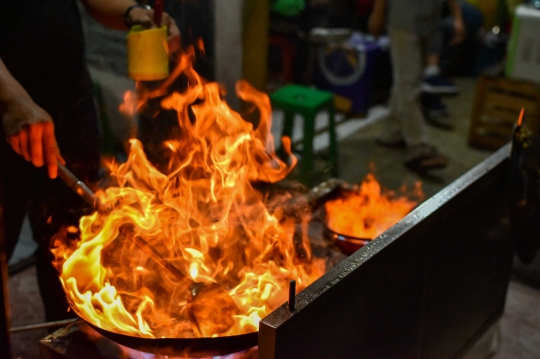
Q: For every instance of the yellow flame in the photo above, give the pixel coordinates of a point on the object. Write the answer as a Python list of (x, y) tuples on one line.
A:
[(201, 214), (369, 210)]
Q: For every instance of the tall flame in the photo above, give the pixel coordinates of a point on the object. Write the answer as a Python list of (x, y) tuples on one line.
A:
[(202, 216)]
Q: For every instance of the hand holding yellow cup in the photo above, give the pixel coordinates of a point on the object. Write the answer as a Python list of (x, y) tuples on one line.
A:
[(148, 55)]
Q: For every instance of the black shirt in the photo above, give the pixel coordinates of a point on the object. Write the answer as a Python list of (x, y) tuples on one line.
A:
[(42, 45)]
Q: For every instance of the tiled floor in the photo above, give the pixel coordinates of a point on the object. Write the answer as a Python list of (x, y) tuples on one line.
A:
[(520, 325), (26, 309)]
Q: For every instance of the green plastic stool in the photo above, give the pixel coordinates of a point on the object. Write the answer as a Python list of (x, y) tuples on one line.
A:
[(295, 99), (289, 8)]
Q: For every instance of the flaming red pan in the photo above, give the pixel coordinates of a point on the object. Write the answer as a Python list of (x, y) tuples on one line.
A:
[(347, 244), (328, 191), (176, 347), (353, 215)]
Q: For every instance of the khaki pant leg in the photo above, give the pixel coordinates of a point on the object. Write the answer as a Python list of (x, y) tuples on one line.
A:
[(405, 111)]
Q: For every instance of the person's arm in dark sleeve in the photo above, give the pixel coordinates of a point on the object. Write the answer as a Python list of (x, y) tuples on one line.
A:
[(111, 14), (29, 128)]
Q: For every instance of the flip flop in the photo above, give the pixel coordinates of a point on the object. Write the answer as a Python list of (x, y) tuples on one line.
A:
[(425, 158)]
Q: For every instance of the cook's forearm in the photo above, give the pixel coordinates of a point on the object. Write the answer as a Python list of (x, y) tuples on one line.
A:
[(455, 9), (109, 12)]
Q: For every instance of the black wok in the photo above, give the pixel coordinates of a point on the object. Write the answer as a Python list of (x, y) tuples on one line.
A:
[(347, 244), (184, 347)]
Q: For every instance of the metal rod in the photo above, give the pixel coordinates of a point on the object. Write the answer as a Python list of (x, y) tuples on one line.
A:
[(47, 325), (89, 197), (292, 296), (128, 233), (158, 258)]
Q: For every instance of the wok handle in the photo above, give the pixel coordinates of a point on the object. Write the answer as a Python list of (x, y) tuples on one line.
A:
[(78, 186)]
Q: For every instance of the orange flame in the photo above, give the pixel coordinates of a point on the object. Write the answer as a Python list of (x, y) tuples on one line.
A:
[(521, 116), (368, 210), (202, 216), (201, 47)]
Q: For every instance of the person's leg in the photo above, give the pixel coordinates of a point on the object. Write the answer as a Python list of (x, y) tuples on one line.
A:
[(436, 112), (15, 184), (434, 48), (44, 215), (55, 204), (392, 135), (407, 62), (406, 52), (52, 207), (434, 82)]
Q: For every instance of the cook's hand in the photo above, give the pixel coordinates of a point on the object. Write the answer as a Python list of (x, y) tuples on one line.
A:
[(376, 24), (145, 18), (459, 32), (35, 139)]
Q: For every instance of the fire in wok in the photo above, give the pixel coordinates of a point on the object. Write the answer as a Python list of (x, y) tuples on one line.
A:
[(202, 215)]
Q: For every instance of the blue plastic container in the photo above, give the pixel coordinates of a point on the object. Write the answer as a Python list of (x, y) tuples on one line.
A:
[(347, 70)]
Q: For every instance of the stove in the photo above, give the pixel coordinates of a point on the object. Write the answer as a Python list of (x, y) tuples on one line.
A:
[(429, 287)]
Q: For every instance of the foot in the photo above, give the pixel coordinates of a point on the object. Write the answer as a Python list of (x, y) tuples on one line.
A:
[(433, 106), (422, 158), (441, 123), (436, 112), (436, 84), (392, 140)]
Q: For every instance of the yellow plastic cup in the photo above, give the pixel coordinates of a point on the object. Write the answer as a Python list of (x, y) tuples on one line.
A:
[(148, 55)]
